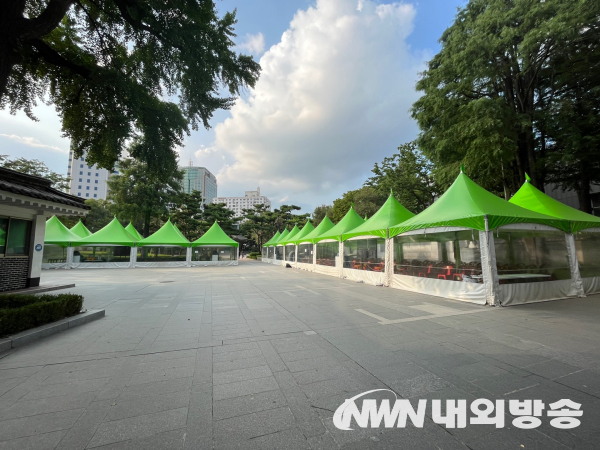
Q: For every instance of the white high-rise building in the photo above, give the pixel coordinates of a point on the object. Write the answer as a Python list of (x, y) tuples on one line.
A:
[(249, 200), (88, 182), (199, 179)]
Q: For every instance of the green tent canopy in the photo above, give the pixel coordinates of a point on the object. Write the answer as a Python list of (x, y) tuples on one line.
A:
[(307, 228), (111, 235), (465, 204), (350, 221), (131, 229), (215, 236), (80, 230), (167, 235), (289, 239), (273, 239), (283, 236), (531, 198), (325, 225), (58, 234), (391, 213)]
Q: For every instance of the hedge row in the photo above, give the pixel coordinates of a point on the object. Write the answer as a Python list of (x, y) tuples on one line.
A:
[(21, 312)]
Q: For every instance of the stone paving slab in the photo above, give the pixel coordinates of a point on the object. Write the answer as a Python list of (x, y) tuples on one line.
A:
[(259, 357)]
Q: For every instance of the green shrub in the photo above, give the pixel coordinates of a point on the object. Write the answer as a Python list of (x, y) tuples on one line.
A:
[(21, 312), (251, 256)]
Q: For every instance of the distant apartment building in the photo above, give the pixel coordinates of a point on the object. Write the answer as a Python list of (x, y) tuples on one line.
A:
[(88, 182), (249, 200), (200, 179)]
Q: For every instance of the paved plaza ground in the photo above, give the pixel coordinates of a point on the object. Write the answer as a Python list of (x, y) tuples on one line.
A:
[(260, 357)]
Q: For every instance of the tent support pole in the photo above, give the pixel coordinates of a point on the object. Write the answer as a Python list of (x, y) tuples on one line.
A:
[(576, 281), (188, 256), (489, 268), (340, 258), (70, 251), (296, 256), (389, 260), (314, 264), (132, 257)]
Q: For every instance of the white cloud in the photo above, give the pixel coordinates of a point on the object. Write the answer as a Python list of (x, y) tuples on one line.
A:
[(32, 142), (332, 99), (254, 44)]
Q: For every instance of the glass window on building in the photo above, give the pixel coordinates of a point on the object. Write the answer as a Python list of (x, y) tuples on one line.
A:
[(88, 180), (3, 232), (81, 166), (79, 187), (89, 173), (17, 239), (87, 188), (95, 195), (80, 172), (80, 180), (87, 195), (96, 181)]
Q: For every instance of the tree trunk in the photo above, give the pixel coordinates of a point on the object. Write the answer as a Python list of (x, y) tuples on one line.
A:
[(583, 194), (147, 218)]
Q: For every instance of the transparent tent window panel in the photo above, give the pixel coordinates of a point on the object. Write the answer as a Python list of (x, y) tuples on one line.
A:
[(161, 254), (365, 254), (98, 254), (587, 246), (209, 253), (290, 253), (54, 254), (264, 252), (528, 256), (450, 256), (271, 252), (279, 253), (326, 253), (305, 253)]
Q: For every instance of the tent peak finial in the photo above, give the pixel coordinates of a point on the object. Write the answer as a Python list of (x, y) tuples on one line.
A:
[(391, 191), (462, 168), (527, 178)]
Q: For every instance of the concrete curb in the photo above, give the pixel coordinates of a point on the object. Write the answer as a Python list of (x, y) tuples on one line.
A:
[(49, 329)]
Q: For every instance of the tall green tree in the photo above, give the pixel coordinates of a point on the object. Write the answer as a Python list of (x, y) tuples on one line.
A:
[(487, 92), (320, 213), (258, 224), (218, 212), (409, 175), (140, 197), (367, 200), (101, 213), (110, 66), (37, 168), (185, 211), (284, 218)]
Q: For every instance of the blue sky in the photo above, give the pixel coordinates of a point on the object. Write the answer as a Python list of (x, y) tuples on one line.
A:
[(332, 100)]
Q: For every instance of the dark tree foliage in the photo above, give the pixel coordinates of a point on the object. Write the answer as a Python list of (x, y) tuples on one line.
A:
[(367, 200), (185, 211), (409, 175), (320, 213), (499, 94), (110, 67), (139, 196), (220, 213)]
